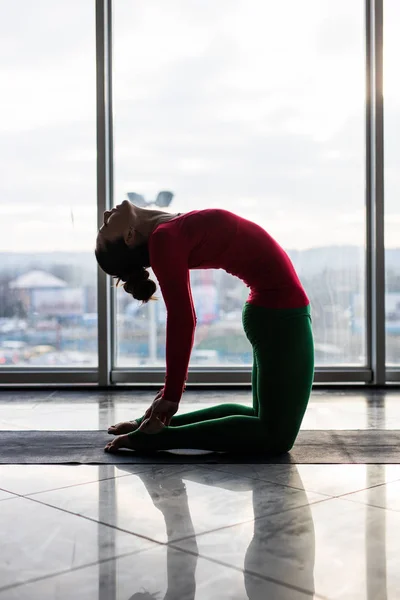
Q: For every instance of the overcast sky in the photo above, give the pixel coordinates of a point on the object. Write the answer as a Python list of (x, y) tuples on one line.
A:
[(256, 106)]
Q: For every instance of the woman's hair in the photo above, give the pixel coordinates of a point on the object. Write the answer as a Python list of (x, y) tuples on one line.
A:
[(127, 264)]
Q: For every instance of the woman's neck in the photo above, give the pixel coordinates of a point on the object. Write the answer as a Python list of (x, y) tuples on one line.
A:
[(148, 219)]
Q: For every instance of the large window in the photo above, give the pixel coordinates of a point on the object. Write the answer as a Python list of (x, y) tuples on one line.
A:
[(48, 297), (392, 179), (256, 106)]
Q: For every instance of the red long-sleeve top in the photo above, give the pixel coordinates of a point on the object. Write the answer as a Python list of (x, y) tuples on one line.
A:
[(214, 239)]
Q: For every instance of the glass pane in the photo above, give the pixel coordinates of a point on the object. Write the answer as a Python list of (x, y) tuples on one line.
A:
[(237, 106), (48, 299), (392, 180)]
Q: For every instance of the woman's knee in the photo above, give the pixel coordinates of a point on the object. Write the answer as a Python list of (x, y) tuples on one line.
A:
[(280, 443), (283, 447)]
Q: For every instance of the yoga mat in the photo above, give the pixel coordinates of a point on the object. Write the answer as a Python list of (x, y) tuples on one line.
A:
[(364, 446)]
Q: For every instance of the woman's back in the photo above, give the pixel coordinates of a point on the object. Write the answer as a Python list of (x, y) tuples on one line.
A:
[(218, 239)]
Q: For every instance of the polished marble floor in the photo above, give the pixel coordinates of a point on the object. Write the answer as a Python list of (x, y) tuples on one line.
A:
[(197, 532)]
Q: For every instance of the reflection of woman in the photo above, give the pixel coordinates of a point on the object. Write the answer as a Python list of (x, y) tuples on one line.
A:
[(276, 319), (282, 549), (283, 546), (170, 497)]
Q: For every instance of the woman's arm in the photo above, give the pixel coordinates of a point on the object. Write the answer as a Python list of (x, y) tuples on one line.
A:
[(169, 261)]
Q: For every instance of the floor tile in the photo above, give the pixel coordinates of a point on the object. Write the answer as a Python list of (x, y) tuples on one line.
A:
[(46, 415), (333, 480), (30, 479), (154, 502), (304, 537), (343, 551), (26, 396), (5, 495), (36, 540), (50, 415), (94, 409), (159, 574), (334, 413), (385, 496)]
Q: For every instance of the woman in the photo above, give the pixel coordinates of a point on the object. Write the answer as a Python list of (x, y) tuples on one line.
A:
[(276, 320)]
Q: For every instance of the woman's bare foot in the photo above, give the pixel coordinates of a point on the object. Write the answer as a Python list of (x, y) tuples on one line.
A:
[(123, 427), (122, 441)]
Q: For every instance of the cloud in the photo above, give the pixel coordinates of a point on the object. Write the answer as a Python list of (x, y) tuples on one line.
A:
[(227, 104), (39, 35)]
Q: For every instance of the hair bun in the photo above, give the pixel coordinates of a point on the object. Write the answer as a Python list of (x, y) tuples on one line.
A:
[(139, 285)]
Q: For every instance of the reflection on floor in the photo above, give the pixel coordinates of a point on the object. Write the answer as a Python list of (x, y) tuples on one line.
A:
[(186, 532)]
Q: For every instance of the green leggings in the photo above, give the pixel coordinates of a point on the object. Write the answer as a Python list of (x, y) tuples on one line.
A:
[(282, 377)]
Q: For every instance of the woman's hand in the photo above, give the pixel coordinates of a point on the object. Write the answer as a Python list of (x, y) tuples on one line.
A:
[(159, 414)]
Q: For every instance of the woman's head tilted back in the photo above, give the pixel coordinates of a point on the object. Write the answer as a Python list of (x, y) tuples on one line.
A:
[(120, 254)]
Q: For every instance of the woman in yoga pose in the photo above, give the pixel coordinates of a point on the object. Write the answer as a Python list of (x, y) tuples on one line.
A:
[(276, 320)]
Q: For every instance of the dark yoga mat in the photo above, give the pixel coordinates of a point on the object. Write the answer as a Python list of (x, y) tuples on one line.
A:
[(87, 447)]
